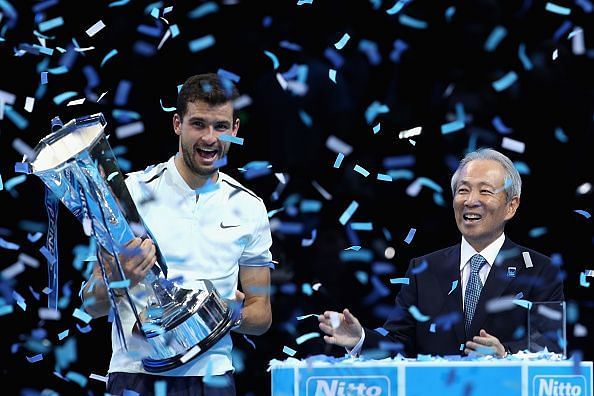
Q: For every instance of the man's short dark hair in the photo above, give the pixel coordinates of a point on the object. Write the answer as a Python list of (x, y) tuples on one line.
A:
[(209, 88)]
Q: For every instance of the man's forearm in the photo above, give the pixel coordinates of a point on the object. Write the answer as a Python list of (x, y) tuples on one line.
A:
[(256, 319)]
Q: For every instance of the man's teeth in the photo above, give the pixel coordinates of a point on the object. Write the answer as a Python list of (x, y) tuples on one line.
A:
[(472, 217)]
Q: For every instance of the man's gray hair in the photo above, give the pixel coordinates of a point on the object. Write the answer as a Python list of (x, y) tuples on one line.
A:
[(513, 181)]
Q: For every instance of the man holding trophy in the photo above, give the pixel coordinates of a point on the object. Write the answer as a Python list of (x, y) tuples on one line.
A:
[(210, 231)]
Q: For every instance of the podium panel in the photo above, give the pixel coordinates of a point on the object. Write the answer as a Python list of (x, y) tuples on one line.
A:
[(352, 377)]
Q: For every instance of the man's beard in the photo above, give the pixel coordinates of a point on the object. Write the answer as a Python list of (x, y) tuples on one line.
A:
[(188, 155)]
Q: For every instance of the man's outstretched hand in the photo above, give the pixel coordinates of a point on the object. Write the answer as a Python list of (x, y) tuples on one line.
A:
[(342, 329)]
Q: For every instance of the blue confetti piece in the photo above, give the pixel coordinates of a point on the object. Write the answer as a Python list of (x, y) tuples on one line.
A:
[(161, 388), (6, 309), (167, 109), (201, 43), (306, 289), (22, 167), (449, 13), (419, 317), (61, 98), (80, 379), (560, 135), (379, 287), (125, 116), (348, 213), (381, 331), (305, 118), (17, 119), (362, 277), (526, 62), (231, 139), (412, 22), (58, 70), (14, 181), (51, 24), (332, 75), (122, 92), (383, 177), (362, 226), (338, 160), (523, 303), (562, 30), (584, 213), (208, 187), (361, 170), (82, 315), (497, 34), (401, 161), (400, 281), (410, 236), (1, 184), (401, 174), (354, 248), (301, 2), (397, 7), (143, 48), (370, 49), (586, 6), (420, 268), (35, 358), (537, 232), (274, 59), (290, 46), (225, 74), (122, 284), (500, 126), (399, 47), (522, 169), (151, 31), (204, 9), (374, 110), (310, 206), (334, 57), (118, 3), (362, 255), (342, 42), (44, 77), (583, 280), (505, 81), (305, 337), (557, 9), (109, 55), (454, 286), (174, 29), (432, 328), (249, 341), (377, 128), (63, 334), (452, 127), (43, 5), (221, 162), (289, 351)]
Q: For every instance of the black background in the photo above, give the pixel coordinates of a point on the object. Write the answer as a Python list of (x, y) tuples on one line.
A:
[(443, 65)]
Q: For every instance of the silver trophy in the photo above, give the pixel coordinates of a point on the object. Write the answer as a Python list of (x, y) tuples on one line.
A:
[(77, 164)]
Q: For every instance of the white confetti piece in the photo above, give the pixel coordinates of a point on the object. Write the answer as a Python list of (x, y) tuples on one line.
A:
[(125, 131), (527, 259), (334, 320), (29, 103), (49, 314), (338, 146), (513, 145), (93, 30)]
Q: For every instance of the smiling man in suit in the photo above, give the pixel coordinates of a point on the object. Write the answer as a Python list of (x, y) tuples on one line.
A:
[(462, 299)]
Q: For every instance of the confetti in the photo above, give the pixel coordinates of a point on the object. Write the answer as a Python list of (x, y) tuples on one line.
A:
[(454, 286), (338, 146), (505, 82), (289, 351), (96, 28), (342, 42), (51, 24), (400, 281), (527, 259), (361, 170), (201, 43), (362, 226), (306, 337), (419, 317), (513, 145), (348, 213), (557, 9), (338, 160), (410, 236), (125, 131), (497, 34), (584, 213), (332, 75), (231, 139), (274, 59)]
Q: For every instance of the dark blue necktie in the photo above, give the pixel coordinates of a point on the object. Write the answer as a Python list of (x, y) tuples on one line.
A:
[(473, 290)]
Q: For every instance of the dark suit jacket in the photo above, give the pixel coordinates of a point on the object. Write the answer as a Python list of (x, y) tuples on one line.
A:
[(429, 290)]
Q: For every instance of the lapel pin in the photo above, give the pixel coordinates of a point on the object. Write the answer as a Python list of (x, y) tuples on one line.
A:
[(511, 272)]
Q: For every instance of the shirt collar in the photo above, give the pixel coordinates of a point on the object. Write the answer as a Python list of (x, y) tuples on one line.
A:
[(179, 181), (489, 253)]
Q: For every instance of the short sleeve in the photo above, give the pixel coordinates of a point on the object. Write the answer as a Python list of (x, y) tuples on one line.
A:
[(257, 251)]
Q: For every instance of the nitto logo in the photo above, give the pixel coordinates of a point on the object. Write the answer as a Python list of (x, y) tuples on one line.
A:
[(559, 385), (348, 386)]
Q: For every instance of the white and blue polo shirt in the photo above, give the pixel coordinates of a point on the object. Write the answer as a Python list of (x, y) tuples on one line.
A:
[(201, 236)]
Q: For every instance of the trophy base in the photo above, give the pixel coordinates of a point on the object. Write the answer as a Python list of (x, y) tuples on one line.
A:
[(161, 365)]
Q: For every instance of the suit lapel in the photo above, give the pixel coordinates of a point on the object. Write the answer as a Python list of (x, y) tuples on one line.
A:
[(497, 281), (448, 272)]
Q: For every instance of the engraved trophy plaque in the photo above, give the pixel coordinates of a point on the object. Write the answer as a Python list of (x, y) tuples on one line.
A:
[(78, 165)]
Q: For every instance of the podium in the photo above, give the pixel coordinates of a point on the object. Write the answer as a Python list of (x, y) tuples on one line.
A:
[(406, 377)]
